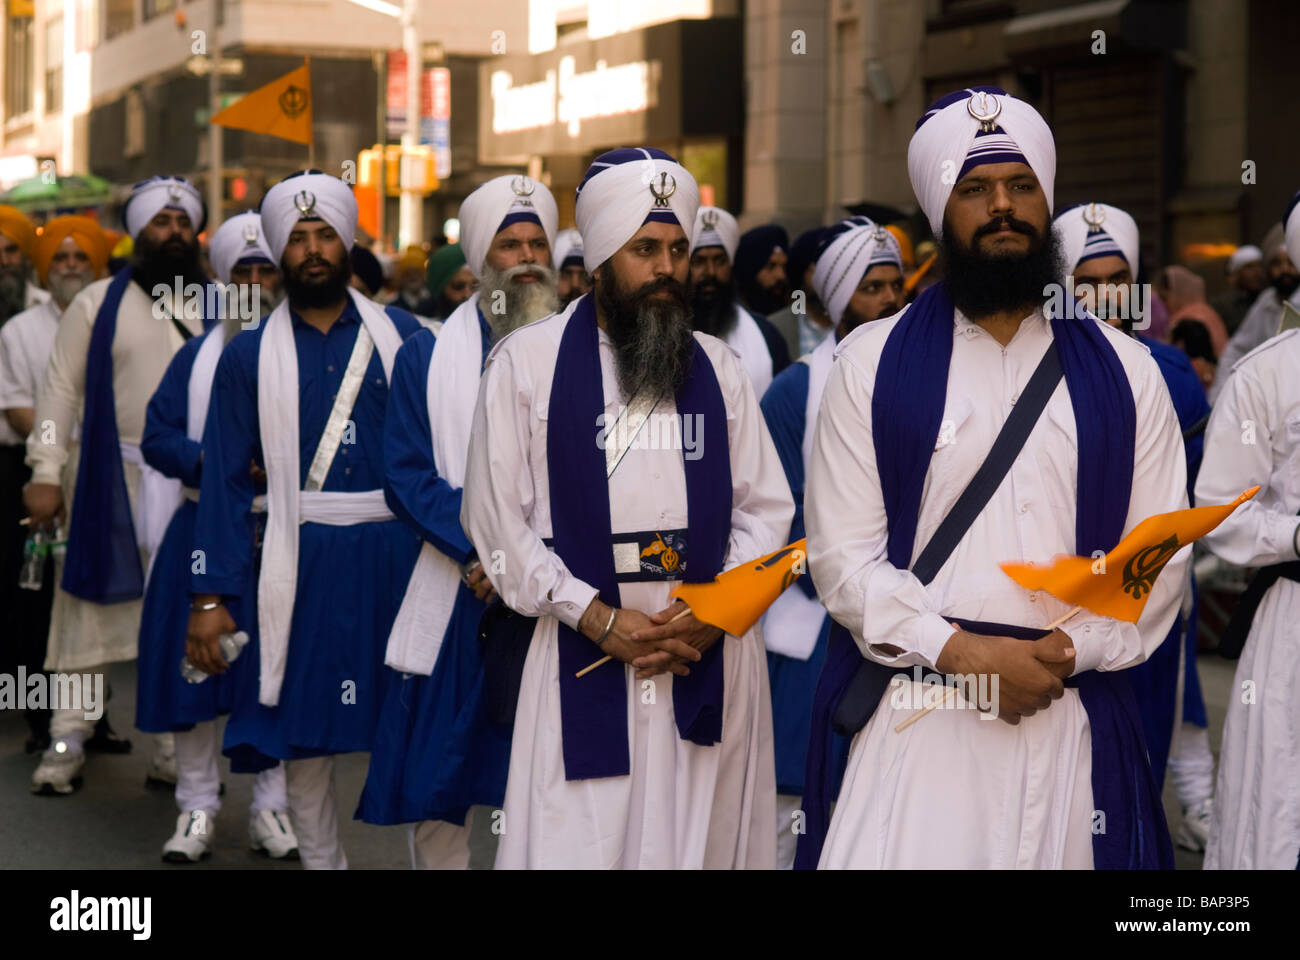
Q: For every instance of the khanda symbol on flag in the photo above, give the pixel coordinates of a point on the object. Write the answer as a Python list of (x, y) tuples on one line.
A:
[(734, 600)]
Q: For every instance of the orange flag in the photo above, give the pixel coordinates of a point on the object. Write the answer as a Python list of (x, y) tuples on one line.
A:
[(282, 108), (736, 599), (1120, 586)]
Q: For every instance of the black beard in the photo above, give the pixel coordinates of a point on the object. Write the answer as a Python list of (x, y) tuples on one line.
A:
[(154, 264), (1285, 285), (653, 340), (713, 310), (982, 285), (315, 294), (13, 290), (851, 319), (761, 299)]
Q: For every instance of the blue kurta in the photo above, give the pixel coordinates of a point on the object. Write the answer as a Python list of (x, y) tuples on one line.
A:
[(436, 753), (793, 682), (1155, 682), (350, 578), (164, 700)]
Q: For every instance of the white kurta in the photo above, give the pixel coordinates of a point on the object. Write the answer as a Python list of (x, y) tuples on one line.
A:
[(684, 805), (1254, 437), (958, 789), (84, 634), (748, 342), (25, 342), (1258, 325)]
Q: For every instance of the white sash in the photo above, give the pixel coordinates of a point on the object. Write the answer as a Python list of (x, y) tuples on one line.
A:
[(287, 506), (819, 370), (451, 391), (747, 340)]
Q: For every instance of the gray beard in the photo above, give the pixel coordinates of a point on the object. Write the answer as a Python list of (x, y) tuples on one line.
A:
[(524, 302), (64, 288)]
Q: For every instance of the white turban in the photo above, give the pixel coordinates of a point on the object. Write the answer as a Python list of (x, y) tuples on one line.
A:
[(568, 243), (714, 227), (1291, 226), (1244, 255), (1092, 230), (858, 244), (238, 239), (622, 189), (156, 193), (307, 196), (507, 198), (945, 146)]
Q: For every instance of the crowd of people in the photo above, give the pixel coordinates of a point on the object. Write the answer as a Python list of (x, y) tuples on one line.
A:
[(417, 513)]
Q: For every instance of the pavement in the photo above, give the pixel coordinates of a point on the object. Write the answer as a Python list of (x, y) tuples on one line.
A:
[(114, 821)]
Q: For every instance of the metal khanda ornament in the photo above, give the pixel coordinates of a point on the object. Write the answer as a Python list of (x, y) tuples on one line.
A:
[(985, 108), (881, 235), (522, 186), (174, 192), (666, 188), (709, 219), (1094, 215), (305, 201), (250, 234)]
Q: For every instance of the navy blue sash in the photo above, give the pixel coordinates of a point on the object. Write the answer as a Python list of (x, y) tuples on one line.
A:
[(594, 708), (907, 411)]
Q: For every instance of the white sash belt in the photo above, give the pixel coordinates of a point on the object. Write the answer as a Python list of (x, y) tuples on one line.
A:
[(156, 500)]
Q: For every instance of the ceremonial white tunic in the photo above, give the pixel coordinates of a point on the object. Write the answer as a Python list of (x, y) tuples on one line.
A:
[(684, 805), (84, 634), (1258, 325), (1254, 437), (958, 789), (747, 340), (25, 342)]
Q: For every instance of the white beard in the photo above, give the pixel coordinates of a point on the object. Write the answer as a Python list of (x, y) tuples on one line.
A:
[(523, 302)]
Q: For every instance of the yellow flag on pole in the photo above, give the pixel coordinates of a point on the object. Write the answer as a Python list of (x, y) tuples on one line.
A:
[(1120, 585), (736, 599), (282, 108)]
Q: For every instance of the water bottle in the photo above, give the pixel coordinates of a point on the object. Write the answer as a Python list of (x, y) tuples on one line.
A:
[(59, 543), (35, 551), (231, 645)]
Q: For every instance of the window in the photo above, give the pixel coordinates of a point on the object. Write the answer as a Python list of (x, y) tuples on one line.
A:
[(18, 68), (54, 65), (119, 17), (153, 8)]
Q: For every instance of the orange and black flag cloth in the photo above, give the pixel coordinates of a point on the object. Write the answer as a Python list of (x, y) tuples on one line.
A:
[(736, 599), (282, 108), (1120, 585)]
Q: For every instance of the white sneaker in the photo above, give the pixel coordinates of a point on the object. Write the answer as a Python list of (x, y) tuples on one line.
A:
[(162, 771), (270, 832), (192, 840), (59, 772), (1194, 831)]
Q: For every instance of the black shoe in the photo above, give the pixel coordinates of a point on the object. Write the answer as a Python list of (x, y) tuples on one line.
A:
[(37, 743), (105, 740)]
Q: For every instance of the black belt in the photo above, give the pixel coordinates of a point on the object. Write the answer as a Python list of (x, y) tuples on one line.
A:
[(647, 556), (1234, 635)]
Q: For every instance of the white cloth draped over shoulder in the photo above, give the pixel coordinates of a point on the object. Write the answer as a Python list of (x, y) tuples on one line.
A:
[(287, 505), (748, 342), (1256, 821), (452, 390)]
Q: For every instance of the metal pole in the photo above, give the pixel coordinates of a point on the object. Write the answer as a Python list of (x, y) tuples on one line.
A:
[(381, 139), (216, 164), (411, 229)]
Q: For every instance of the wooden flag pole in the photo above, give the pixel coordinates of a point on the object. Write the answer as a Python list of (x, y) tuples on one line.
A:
[(311, 144), (603, 660), (953, 690)]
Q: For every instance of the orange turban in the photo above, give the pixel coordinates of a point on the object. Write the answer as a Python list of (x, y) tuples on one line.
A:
[(15, 225), (88, 234)]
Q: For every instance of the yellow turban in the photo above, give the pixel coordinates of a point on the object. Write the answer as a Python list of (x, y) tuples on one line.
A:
[(87, 234), (15, 225)]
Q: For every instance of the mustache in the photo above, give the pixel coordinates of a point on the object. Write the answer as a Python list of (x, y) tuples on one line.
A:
[(669, 284), (998, 223)]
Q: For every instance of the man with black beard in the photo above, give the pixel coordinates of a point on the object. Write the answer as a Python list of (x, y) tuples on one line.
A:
[(1264, 318), (760, 259), (17, 240), (716, 310), (912, 407), (113, 345), (616, 452)]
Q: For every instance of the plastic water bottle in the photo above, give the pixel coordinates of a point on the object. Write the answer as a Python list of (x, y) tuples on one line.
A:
[(232, 644), (35, 551), (59, 543)]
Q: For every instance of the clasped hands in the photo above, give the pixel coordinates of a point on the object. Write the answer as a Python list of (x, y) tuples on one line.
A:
[(652, 644), (1030, 672)]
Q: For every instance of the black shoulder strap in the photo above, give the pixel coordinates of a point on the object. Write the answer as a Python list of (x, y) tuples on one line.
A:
[(181, 329), (989, 476)]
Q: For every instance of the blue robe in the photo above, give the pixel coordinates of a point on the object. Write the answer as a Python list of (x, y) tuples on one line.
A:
[(1155, 682), (436, 753), (793, 682), (350, 578), (164, 700)]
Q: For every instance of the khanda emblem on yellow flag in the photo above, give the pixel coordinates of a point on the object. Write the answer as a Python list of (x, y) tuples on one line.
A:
[(294, 100), (736, 599), (1120, 584)]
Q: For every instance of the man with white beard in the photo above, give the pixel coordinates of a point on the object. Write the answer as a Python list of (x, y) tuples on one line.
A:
[(1253, 437), (911, 505), (437, 752), (588, 525), (165, 701), (70, 253)]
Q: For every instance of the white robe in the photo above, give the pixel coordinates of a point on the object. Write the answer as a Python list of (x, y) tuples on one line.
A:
[(683, 805), (85, 634), (747, 340), (958, 789), (1258, 325), (1254, 437)]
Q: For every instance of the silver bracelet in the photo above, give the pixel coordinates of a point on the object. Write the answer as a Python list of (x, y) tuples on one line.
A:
[(204, 607), (608, 627), (1294, 545)]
